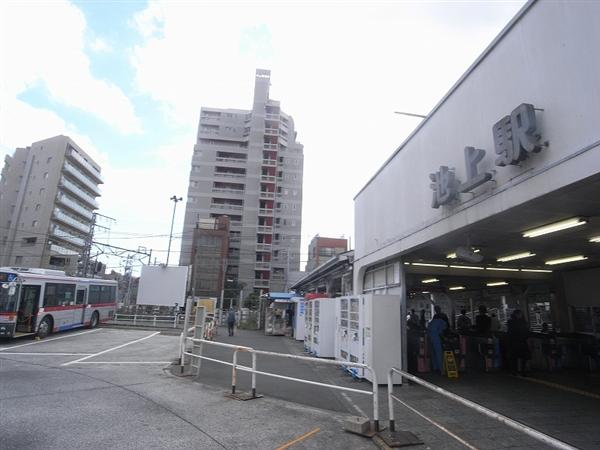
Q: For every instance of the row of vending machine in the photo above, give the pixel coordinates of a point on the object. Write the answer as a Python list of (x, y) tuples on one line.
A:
[(353, 329)]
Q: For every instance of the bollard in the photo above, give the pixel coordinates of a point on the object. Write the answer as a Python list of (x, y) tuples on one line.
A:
[(134, 319), (154, 322), (234, 371), (253, 375)]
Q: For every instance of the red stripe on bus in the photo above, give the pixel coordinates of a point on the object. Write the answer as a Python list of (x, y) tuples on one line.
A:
[(62, 308), (101, 305)]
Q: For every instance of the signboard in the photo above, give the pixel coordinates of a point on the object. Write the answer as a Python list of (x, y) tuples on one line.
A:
[(162, 286)]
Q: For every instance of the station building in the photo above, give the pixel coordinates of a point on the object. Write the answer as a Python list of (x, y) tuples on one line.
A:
[(494, 199)]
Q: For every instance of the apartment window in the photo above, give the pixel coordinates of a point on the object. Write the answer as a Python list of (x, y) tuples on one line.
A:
[(42, 190), (49, 159), (34, 224), (37, 207), (45, 175), (280, 174), (58, 261), (18, 260), (277, 220), (281, 159), (28, 241)]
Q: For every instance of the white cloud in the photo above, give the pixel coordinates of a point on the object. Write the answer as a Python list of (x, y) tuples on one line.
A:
[(341, 71), (100, 45), (43, 43)]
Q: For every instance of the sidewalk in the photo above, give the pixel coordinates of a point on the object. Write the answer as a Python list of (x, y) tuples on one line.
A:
[(564, 415)]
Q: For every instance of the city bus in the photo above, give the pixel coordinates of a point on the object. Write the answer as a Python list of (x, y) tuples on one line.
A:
[(42, 301)]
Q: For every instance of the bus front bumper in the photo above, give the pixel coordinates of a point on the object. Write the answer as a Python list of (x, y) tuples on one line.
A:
[(7, 329)]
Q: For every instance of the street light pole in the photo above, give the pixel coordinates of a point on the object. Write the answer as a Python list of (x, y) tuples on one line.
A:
[(175, 200)]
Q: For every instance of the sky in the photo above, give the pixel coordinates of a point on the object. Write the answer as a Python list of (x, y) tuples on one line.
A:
[(126, 80)]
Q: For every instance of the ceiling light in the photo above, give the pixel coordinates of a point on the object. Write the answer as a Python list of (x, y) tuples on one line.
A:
[(556, 226), (536, 270), (595, 239), (515, 256), (430, 280), (507, 269), (467, 267), (567, 259), (429, 264), (407, 264), (424, 292), (497, 283), (456, 288)]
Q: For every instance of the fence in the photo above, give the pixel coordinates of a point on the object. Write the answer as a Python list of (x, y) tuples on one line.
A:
[(548, 440), (146, 320), (196, 353)]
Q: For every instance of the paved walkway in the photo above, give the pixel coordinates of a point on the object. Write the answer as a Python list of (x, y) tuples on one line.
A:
[(568, 416)]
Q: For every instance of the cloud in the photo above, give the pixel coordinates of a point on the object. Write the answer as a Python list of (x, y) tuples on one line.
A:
[(37, 50), (100, 45)]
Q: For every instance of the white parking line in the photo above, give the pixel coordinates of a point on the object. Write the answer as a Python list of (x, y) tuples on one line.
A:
[(49, 340), (125, 362), (46, 354), (109, 350)]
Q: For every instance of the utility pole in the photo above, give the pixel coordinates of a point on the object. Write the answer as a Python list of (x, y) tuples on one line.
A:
[(175, 200)]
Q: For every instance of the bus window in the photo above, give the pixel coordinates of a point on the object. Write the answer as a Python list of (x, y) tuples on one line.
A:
[(80, 297), (58, 294)]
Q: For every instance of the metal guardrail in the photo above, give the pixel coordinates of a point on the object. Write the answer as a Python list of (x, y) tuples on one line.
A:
[(197, 345), (147, 320), (537, 435)]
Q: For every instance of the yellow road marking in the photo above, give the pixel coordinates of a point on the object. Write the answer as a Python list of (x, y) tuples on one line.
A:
[(299, 439), (562, 387)]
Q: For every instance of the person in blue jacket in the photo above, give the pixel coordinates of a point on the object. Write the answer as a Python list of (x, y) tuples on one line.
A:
[(435, 329)]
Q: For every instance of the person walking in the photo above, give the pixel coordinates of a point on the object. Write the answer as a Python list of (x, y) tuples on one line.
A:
[(518, 349), (230, 321)]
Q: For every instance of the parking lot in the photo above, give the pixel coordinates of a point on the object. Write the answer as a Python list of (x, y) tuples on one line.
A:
[(109, 388)]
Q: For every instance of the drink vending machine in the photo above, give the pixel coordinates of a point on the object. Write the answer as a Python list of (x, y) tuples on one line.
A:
[(368, 332), (319, 330)]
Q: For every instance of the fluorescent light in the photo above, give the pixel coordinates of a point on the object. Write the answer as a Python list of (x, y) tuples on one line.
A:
[(556, 226), (429, 264), (515, 256), (430, 280), (595, 239), (424, 292), (567, 259), (456, 288), (467, 267), (536, 270), (497, 283), (506, 269), (451, 255), (407, 264)]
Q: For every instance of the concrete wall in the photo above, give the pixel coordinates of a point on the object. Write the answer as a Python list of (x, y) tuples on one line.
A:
[(546, 57)]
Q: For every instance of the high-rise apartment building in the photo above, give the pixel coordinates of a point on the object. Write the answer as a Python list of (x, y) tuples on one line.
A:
[(248, 165), (47, 200)]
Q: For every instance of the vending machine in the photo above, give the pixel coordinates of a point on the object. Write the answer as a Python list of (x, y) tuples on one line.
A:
[(308, 330), (368, 331), (299, 314), (323, 327)]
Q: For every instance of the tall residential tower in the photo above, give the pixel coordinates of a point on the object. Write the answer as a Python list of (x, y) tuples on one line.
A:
[(247, 165), (47, 201)]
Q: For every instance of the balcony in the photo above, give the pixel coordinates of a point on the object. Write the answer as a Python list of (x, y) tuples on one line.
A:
[(72, 188), (270, 146), (231, 160), (262, 247), (259, 283), (229, 191), (227, 206), (86, 165), (230, 175), (66, 236), (271, 116), (264, 229), (269, 162), (72, 222), (73, 171), (265, 194), (265, 211), (268, 178), (271, 132), (74, 206), (262, 265), (62, 250)]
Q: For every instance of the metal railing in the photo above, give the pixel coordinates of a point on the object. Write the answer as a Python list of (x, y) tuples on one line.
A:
[(537, 435), (148, 320), (197, 346)]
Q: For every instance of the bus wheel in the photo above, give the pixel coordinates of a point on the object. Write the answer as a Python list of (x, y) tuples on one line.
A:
[(45, 328), (94, 320)]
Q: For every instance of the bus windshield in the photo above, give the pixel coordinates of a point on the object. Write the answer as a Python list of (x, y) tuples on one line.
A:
[(9, 292)]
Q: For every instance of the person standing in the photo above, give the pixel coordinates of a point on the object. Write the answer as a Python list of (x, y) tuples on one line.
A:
[(518, 349), (483, 322), (463, 322), (230, 321), (495, 323), (436, 328)]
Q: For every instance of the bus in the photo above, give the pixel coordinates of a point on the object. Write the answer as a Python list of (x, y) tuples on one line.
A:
[(43, 301)]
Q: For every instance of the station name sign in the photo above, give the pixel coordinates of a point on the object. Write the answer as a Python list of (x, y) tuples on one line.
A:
[(515, 138)]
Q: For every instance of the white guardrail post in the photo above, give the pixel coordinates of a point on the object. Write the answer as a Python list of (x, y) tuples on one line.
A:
[(253, 375), (535, 434)]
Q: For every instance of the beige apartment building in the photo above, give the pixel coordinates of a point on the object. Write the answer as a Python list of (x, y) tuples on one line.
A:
[(248, 166), (48, 196)]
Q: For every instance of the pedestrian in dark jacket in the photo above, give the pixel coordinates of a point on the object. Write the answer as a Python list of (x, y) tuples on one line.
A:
[(230, 321), (518, 348)]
